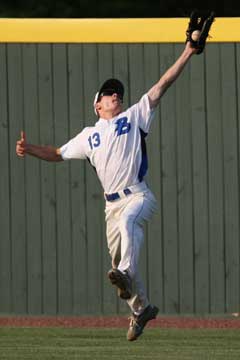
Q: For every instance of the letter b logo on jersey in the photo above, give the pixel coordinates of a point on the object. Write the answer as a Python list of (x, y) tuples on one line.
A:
[(123, 127)]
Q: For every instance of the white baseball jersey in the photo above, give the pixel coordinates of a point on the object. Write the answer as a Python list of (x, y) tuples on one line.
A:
[(116, 147)]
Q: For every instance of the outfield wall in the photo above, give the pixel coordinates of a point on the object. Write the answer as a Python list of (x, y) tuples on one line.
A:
[(53, 253)]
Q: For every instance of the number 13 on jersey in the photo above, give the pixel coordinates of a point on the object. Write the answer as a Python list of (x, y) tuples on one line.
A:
[(94, 140)]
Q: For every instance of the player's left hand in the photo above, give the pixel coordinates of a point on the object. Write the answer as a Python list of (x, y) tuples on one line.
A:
[(190, 48), (198, 29)]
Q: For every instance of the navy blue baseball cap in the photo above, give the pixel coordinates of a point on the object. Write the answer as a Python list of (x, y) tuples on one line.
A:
[(109, 87)]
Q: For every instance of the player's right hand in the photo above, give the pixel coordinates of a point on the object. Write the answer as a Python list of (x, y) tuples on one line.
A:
[(21, 145)]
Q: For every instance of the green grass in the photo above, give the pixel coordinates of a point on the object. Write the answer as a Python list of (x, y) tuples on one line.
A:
[(106, 344)]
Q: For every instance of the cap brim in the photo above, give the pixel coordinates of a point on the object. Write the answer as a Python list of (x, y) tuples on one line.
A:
[(113, 84)]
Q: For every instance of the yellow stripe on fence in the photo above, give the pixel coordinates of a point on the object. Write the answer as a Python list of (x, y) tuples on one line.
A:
[(162, 30)]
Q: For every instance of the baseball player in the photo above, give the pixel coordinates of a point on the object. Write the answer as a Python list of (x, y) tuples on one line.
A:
[(115, 146)]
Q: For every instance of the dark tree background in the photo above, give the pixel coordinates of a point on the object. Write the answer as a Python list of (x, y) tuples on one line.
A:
[(112, 8)]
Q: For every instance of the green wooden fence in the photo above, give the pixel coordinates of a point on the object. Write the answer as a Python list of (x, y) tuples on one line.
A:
[(53, 253)]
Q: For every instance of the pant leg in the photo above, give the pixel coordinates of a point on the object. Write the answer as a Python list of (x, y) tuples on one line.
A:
[(124, 221), (139, 300), (138, 210), (113, 237)]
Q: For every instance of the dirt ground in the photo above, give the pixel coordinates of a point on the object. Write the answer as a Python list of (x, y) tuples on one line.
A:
[(118, 322)]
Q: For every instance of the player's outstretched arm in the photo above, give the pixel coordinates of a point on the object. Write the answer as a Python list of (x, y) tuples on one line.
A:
[(157, 91), (48, 153)]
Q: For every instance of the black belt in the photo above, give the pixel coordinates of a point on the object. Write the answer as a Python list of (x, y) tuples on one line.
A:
[(115, 196)]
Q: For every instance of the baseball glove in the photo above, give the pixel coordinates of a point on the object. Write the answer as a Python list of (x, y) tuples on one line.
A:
[(201, 22)]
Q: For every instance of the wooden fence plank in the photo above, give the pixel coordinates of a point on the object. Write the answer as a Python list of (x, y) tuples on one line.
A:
[(200, 184), (231, 181), (18, 224), (238, 122), (48, 182), (33, 195), (78, 182), (216, 186), (5, 218)]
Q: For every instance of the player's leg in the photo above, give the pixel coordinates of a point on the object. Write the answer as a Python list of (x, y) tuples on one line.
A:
[(132, 240), (138, 210), (120, 280), (125, 236), (113, 237)]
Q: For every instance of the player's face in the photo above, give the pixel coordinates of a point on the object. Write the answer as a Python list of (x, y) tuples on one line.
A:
[(110, 104)]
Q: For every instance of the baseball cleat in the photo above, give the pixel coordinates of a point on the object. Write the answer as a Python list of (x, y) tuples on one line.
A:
[(138, 322), (122, 281)]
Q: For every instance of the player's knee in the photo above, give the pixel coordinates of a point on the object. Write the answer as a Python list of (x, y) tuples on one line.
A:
[(126, 223), (129, 226)]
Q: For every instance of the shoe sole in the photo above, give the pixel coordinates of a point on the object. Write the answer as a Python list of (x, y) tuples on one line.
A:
[(153, 316), (116, 280)]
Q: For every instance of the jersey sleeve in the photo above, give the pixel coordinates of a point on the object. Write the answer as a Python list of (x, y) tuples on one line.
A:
[(75, 148), (144, 113)]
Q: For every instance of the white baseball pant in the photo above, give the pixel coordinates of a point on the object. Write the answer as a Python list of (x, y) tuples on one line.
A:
[(124, 219)]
